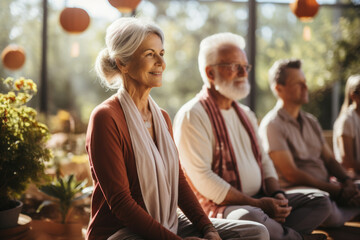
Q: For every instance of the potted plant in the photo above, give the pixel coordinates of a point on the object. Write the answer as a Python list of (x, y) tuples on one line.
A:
[(22, 145), (66, 192)]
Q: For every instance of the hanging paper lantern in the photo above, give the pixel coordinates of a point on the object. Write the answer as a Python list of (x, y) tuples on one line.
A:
[(74, 20), (13, 57), (304, 9), (125, 6)]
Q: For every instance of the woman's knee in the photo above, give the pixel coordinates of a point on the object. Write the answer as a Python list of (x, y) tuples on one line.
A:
[(248, 230), (249, 213)]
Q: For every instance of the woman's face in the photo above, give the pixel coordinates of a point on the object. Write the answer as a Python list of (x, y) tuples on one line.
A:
[(147, 63), (355, 95)]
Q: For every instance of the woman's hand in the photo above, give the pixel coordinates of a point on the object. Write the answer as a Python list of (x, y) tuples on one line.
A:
[(212, 236), (210, 233)]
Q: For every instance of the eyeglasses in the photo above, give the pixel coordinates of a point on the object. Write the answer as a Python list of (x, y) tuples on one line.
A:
[(234, 67)]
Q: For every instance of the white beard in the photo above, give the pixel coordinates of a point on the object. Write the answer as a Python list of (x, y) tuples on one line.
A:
[(233, 90)]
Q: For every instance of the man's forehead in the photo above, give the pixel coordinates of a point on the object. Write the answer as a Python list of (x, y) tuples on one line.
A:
[(231, 51), (294, 75)]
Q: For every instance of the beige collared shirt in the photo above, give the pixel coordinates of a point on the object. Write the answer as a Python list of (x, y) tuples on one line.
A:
[(302, 137)]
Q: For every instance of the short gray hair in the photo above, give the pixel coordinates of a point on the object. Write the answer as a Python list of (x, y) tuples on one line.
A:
[(209, 47), (122, 39), (277, 73)]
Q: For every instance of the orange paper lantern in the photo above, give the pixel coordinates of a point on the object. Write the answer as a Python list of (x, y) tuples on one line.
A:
[(305, 10), (13, 57), (125, 6), (74, 20)]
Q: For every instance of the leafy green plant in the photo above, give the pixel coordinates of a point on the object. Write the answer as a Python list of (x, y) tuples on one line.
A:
[(22, 140), (66, 191)]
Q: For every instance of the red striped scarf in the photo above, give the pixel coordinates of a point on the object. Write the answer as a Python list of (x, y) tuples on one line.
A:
[(224, 161)]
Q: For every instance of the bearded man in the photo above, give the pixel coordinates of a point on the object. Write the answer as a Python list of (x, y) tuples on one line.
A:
[(220, 150)]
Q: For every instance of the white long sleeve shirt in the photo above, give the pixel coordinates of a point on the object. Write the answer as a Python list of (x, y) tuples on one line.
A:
[(195, 140)]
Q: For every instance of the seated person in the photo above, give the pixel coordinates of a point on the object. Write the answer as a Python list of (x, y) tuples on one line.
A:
[(346, 134), (220, 150), (294, 140), (134, 162)]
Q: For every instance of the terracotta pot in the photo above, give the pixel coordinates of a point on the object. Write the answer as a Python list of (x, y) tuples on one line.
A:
[(21, 231), (57, 230), (9, 218)]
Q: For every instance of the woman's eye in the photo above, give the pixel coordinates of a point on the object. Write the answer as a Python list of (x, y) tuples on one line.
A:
[(149, 54)]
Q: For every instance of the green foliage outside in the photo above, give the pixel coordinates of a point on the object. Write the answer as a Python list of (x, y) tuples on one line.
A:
[(66, 191), (22, 140), (344, 61), (346, 54)]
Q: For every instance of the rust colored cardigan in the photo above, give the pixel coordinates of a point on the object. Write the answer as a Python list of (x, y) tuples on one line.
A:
[(117, 201)]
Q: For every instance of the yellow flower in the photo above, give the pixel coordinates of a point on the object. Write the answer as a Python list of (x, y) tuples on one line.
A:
[(31, 85), (11, 96), (19, 83), (23, 97), (8, 81)]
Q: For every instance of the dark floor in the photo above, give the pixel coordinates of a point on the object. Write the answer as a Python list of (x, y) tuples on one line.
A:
[(351, 231)]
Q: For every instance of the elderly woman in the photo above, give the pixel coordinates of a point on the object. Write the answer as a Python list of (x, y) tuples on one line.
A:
[(134, 162), (346, 138)]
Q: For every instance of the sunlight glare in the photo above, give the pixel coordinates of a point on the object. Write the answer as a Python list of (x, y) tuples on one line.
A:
[(95, 8)]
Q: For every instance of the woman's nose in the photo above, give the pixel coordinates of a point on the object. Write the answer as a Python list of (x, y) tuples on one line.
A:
[(160, 60)]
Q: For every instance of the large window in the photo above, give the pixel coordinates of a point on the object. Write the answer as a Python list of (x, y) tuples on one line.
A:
[(73, 85)]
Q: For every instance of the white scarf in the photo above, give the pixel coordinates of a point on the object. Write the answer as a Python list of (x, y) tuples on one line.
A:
[(157, 167)]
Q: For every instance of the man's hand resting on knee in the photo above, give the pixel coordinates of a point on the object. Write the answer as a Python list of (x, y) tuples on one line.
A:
[(277, 209)]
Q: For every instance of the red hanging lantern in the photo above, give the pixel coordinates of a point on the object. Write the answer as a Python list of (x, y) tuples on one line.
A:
[(305, 10), (125, 6), (13, 57), (74, 20)]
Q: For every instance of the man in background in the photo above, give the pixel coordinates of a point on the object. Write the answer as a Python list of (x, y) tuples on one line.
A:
[(294, 140)]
